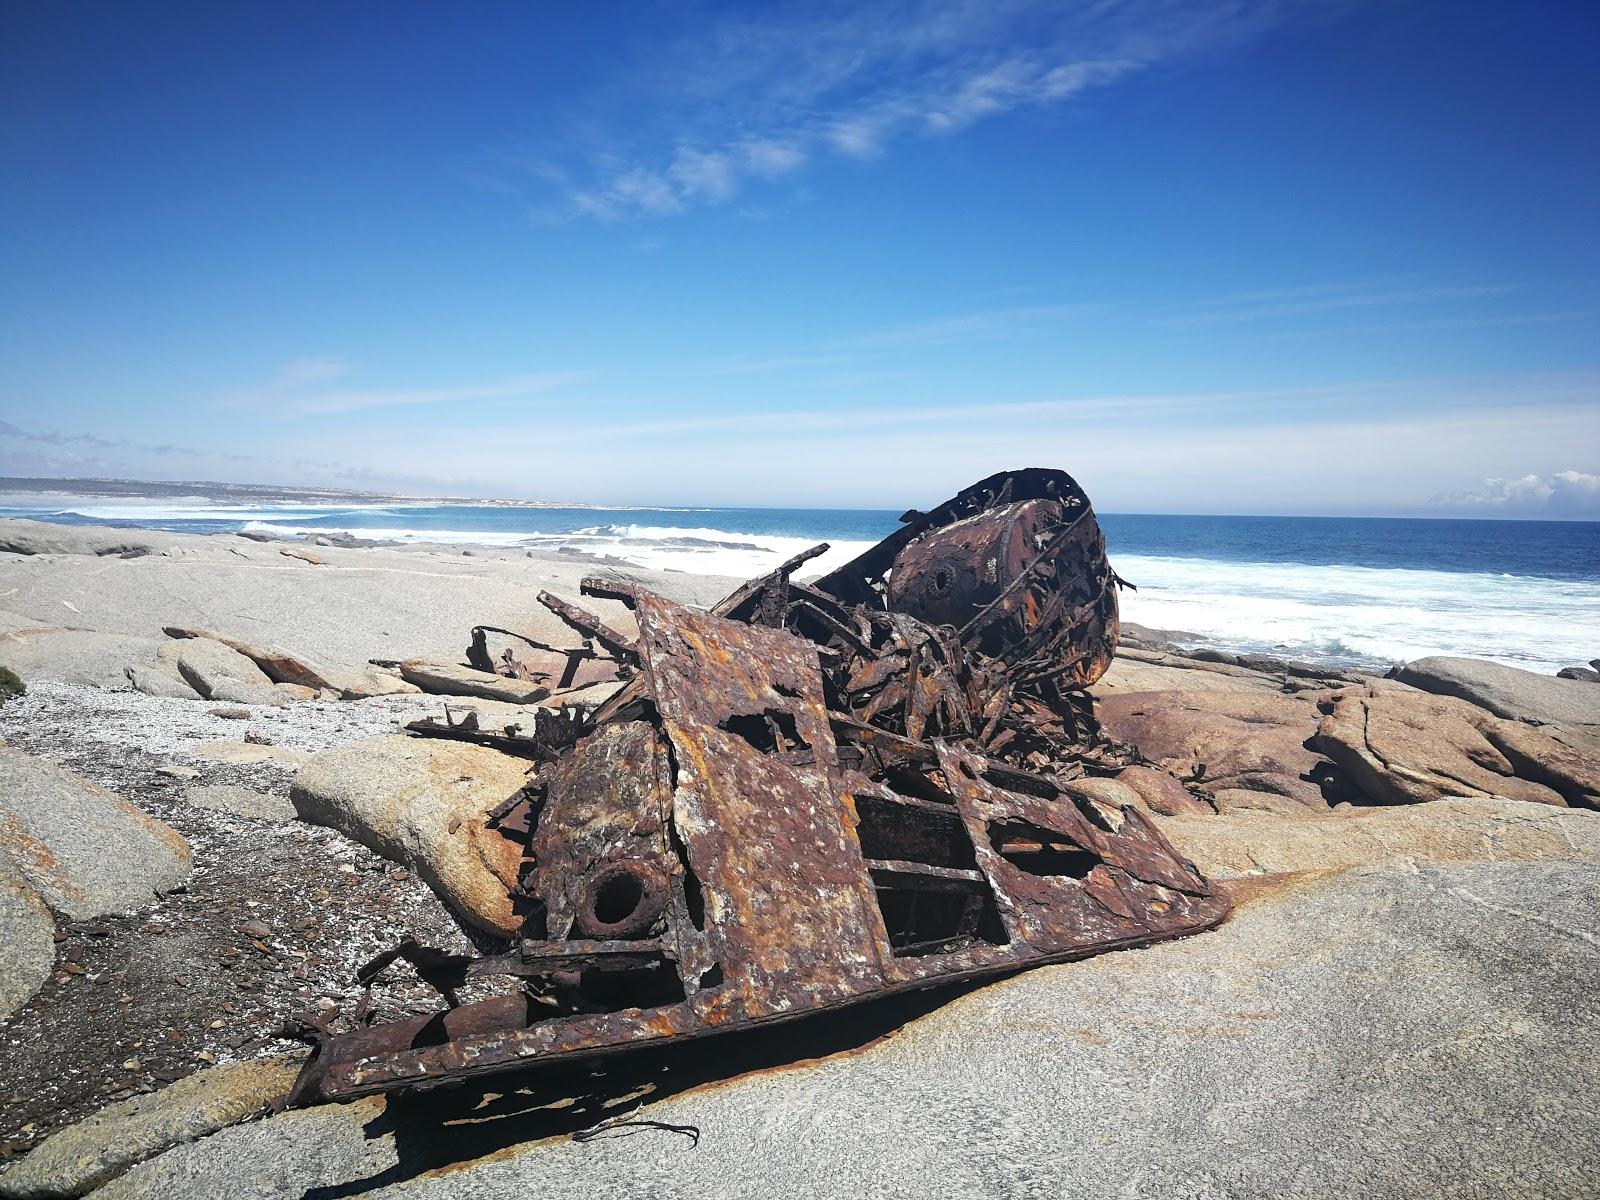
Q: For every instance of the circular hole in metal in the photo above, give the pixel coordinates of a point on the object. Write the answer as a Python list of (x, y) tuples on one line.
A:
[(943, 577), (617, 898)]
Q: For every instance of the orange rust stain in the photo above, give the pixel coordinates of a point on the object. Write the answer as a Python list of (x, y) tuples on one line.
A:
[(1253, 889)]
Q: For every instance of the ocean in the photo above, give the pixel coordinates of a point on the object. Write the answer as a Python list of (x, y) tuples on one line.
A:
[(1347, 591)]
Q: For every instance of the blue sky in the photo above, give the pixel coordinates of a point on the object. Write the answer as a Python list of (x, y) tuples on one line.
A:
[(1253, 256)]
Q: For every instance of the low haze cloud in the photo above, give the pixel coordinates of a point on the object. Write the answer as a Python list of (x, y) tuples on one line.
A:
[(1565, 495)]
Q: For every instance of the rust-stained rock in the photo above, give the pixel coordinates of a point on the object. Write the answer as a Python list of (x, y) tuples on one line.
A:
[(219, 672), (84, 850), (1402, 748), (27, 939), (423, 803), (1227, 741), (85, 1156), (1161, 792)]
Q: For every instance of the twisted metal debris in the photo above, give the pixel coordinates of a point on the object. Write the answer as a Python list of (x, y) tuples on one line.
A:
[(811, 796)]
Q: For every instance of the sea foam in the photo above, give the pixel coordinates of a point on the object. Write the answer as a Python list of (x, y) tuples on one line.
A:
[(1362, 615)]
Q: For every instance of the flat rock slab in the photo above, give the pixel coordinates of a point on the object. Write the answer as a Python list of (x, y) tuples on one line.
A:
[(242, 802), (75, 655), (1411, 747), (219, 672), (1389, 1032), (19, 536), (454, 679), (160, 679), (95, 1151), (295, 670), (1251, 745), (84, 850), (1507, 691), (422, 803), (248, 754), (1173, 674), (1244, 843), (27, 940)]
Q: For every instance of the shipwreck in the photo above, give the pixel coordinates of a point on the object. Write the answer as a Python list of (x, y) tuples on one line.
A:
[(812, 795)]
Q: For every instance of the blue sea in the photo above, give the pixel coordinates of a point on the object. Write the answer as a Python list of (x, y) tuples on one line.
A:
[(1354, 591)]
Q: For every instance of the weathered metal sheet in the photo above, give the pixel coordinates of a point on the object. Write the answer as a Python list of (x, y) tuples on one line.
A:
[(757, 805)]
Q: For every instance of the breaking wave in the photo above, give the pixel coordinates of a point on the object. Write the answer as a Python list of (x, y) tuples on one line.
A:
[(1363, 615), (698, 550)]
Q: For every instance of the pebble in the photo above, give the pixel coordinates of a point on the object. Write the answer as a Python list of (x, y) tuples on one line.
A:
[(254, 929), (177, 772), (232, 714)]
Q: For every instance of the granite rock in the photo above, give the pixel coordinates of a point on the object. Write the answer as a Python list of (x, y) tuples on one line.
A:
[(84, 850)]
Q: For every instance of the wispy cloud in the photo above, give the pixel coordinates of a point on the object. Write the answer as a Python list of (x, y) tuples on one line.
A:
[(59, 450), (506, 389), (989, 325), (759, 97), (314, 369), (993, 325), (295, 391), (1320, 298)]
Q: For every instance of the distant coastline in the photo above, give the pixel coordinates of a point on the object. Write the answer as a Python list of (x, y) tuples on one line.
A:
[(260, 493)]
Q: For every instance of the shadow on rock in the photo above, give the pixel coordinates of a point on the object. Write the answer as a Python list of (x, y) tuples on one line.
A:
[(464, 1123)]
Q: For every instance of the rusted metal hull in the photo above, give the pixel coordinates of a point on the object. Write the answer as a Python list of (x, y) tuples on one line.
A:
[(809, 798)]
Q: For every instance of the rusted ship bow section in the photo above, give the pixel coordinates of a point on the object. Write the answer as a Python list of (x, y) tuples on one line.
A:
[(813, 795)]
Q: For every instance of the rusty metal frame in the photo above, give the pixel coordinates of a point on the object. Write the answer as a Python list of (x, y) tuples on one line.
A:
[(751, 854)]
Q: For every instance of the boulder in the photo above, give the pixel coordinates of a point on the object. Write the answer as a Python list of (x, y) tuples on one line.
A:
[(18, 536), (1236, 741), (1508, 691), (371, 681), (1389, 1031), (422, 803), (1585, 674), (453, 679), (1406, 748), (282, 667), (241, 802), (277, 665), (82, 1157), (1448, 831), (219, 672), (160, 679), (27, 939), (1161, 792), (84, 850), (74, 655)]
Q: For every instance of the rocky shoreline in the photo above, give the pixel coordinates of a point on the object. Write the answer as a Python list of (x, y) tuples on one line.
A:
[(1413, 860)]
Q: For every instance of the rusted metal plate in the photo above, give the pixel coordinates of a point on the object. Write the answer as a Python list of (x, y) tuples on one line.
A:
[(1070, 872), (757, 805), (602, 862)]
